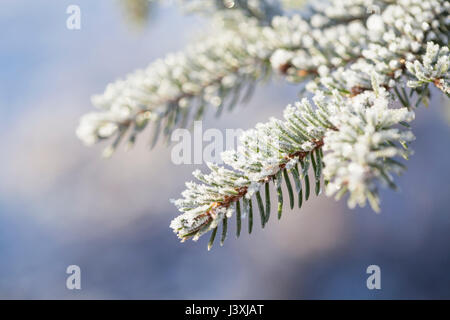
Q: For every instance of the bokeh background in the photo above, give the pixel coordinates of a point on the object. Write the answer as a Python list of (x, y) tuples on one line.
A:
[(62, 204)]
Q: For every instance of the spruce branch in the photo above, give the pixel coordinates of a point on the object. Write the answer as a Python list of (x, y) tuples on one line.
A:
[(432, 68), (176, 90), (358, 131), (266, 155), (365, 62), (354, 122), (172, 92)]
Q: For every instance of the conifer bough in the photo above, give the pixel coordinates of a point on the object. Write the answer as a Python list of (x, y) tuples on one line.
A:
[(369, 64)]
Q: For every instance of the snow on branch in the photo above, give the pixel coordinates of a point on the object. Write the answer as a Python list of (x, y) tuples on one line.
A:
[(432, 68), (353, 136), (174, 91), (368, 64), (359, 133)]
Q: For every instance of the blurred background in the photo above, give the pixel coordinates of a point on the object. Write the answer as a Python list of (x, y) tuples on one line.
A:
[(62, 203)]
